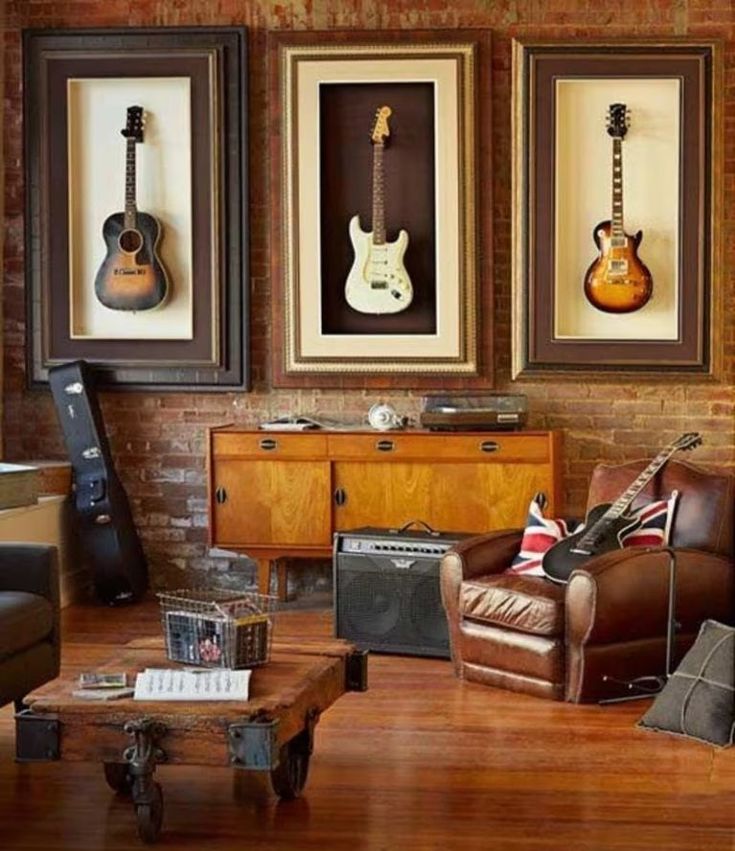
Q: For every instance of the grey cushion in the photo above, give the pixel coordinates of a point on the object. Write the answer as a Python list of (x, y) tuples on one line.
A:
[(698, 700), (25, 619)]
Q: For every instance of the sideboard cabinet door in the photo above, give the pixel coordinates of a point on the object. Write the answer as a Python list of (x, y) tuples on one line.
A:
[(271, 502), (449, 496)]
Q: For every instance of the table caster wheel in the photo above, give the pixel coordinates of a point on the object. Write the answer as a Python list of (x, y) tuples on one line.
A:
[(289, 778), (149, 815), (118, 778)]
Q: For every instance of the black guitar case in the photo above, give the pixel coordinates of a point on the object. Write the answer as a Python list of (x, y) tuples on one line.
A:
[(105, 522)]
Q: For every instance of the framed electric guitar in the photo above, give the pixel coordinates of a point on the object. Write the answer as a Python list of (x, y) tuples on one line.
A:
[(131, 276), (378, 281), (617, 281)]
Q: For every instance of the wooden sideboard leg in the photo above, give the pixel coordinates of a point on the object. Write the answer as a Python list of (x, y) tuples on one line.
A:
[(282, 568), (264, 575)]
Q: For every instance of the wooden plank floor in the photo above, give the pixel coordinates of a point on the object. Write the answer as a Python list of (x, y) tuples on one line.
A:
[(420, 761)]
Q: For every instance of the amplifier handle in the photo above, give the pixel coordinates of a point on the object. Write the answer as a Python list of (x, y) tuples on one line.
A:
[(415, 523)]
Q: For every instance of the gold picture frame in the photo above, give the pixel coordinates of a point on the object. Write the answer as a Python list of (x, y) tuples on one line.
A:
[(325, 88)]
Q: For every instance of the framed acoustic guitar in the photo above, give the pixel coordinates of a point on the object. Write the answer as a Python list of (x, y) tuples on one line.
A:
[(618, 281), (131, 276), (378, 281)]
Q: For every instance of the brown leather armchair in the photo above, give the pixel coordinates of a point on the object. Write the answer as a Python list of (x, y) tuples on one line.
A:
[(530, 635)]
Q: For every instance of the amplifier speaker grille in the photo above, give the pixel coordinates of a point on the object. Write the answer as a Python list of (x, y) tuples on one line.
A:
[(392, 610)]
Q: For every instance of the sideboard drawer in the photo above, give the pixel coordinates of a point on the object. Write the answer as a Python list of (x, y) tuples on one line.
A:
[(472, 447), (268, 444)]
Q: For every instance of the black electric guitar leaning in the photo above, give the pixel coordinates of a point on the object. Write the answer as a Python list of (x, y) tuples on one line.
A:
[(131, 276), (607, 523)]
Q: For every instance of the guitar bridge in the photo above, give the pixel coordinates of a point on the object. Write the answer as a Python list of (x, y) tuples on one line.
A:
[(580, 552), (379, 285)]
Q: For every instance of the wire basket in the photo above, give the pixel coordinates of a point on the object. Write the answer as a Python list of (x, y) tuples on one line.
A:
[(217, 628)]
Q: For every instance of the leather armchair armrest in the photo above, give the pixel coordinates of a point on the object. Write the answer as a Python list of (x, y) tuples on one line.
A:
[(484, 554), (623, 595), (30, 567), (477, 556)]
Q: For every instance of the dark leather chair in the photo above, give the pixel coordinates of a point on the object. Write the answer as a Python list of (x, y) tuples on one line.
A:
[(30, 647), (530, 635)]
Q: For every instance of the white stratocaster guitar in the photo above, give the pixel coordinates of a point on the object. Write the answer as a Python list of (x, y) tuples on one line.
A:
[(378, 281)]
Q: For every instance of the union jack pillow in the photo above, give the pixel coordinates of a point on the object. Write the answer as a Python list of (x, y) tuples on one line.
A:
[(652, 528)]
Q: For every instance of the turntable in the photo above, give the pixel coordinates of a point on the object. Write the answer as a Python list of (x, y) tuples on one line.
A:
[(486, 412)]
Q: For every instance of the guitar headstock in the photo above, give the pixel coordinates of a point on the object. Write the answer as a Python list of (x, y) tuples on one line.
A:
[(134, 125), (687, 441), (618, 120), (380, 130)]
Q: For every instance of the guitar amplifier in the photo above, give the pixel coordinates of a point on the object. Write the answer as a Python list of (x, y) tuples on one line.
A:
[(386, 589)]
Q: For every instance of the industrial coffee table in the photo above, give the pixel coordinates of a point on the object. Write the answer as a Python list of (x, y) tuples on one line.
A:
[(272, 731)]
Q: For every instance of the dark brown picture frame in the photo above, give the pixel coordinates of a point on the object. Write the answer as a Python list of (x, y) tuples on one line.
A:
[(293, 366), (694, 346), (214, 61)]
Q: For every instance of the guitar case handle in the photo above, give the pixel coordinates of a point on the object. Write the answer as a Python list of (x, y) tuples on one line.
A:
[(410, 523)]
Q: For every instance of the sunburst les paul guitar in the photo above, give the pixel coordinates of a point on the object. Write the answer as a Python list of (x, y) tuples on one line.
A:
[(131, 276), (378, 281), (607, 524), (618, 281)]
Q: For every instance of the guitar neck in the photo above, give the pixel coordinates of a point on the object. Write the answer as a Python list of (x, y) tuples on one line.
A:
[(378, 194), (617, 188), (130, 203)]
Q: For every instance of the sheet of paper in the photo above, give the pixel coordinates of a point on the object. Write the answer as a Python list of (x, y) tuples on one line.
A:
[(177, 684)]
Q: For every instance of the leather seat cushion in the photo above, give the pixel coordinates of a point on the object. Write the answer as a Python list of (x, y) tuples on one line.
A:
[(25, 619), (527, 603)]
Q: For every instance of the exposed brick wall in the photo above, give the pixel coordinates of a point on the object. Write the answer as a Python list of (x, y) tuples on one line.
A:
[(158, 439)]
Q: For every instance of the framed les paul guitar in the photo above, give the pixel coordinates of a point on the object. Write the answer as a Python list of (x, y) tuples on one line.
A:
[(131, 276), (618, 281), (378, 281)]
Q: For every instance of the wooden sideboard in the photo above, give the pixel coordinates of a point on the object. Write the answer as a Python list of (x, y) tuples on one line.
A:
[(284, 494)]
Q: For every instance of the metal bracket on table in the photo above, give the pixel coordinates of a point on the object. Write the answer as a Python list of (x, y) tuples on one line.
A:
[(143, 755), (36, 737), (356, 671), (254, 744)]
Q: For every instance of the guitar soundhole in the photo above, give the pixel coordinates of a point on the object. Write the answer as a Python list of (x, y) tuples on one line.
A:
[(130, 241)]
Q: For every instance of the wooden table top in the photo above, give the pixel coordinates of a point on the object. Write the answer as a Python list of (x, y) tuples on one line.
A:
[(293, 670)]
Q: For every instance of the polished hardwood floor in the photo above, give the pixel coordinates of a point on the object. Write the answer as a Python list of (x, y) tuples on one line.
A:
[(420, 761)]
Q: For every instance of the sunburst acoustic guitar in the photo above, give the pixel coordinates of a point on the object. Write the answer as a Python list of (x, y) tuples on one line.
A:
[(378, 281), (131, 276), (618, 281)]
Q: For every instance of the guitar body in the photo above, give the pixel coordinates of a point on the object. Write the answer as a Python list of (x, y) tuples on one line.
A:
[(618, 281), (560, 560), (378, 281), (131, 276)]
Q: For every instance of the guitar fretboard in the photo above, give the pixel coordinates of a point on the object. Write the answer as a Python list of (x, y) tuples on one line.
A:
[(130, 206), (617, 188), (378, 195)]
